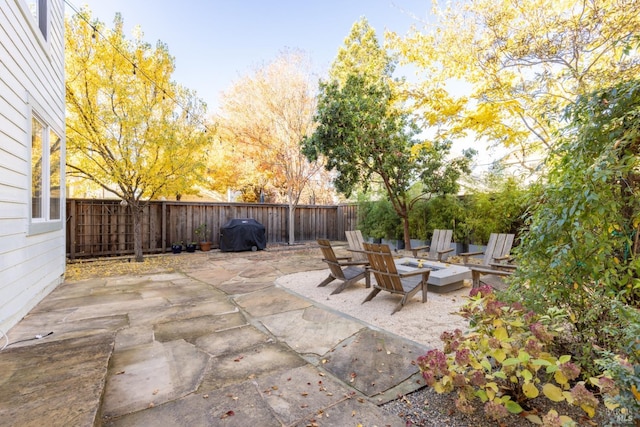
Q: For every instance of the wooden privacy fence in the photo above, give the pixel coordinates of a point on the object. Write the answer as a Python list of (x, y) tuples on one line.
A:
[(97, 228)]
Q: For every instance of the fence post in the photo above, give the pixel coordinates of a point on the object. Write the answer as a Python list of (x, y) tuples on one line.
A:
[(164, 226), (72, 229)]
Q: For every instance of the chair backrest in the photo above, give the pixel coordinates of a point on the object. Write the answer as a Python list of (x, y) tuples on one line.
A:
[(356, 241), (499, 246), (329, 256), (440, 240), (383, 266)]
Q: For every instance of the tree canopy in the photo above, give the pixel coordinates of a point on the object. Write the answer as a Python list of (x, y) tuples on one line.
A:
[(525, 61), (130, 129), (364, 132), (264, 117)]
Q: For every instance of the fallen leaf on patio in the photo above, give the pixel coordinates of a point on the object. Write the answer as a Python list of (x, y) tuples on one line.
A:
[(205, 396), (120, 373), (155, 392), (227, 415), (274, 387)]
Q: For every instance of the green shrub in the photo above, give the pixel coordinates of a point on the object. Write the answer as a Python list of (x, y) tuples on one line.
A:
[(378, 219)]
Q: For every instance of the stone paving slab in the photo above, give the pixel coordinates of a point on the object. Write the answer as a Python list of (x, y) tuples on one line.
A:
[(152, 374), (62, 328), (248, 364), (56, 383), (375, 363), (311, 330), (232, 340), (306, 395), (239, 405), (191, 329), (270, 300)]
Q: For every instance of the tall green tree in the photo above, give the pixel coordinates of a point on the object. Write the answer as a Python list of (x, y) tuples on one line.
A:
[(365, 133), (130, 129)]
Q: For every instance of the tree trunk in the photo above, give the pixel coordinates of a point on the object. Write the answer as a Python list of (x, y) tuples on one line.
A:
[(136, 212), (406, 236)]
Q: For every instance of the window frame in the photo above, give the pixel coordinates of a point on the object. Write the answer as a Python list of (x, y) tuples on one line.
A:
[(45, 224), (39, 25)]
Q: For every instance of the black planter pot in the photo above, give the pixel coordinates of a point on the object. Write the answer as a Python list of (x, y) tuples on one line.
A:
[(176, 249), (190, 247)]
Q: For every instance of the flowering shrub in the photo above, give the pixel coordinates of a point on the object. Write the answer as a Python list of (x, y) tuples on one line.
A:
[(504, 361)]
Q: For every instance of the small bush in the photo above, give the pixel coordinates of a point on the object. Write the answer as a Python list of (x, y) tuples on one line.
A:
[(505, 361)]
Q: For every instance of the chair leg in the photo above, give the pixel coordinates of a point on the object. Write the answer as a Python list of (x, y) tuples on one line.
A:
[(341, 287), (326, 281), (475, 278), (423, 288), (372, 294), (400, 304)]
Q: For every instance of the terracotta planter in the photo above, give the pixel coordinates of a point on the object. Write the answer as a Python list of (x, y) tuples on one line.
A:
[(205, 246)]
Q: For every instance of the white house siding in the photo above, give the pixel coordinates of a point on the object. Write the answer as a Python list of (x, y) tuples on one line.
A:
[(32, 262)]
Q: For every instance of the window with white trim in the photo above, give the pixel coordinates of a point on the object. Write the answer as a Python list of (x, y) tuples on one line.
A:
[(38, 9), (46, 167)]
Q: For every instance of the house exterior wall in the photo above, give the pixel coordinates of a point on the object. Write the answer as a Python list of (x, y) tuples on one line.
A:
[(32, 252)]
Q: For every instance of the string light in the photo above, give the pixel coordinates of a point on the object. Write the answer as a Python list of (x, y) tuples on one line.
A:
[(135, 68)]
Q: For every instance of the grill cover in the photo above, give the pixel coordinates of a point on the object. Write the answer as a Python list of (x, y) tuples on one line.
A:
[(242, 235)]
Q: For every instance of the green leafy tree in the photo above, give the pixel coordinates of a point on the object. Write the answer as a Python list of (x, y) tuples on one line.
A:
[(582, 241), (130, 129), (364, 133)]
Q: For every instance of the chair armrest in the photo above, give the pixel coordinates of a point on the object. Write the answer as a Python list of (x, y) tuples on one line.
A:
[(444, 251), (503, 258), (415, 250), (414, 272), (507, 267), (465, 255), (343, 257)]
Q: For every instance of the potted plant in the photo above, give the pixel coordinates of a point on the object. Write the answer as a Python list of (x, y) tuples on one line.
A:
[(190, 246), (201, 232), (176, 247)]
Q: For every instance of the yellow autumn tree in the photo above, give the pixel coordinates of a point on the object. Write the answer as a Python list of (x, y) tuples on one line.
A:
[(264, 117), (525, 61), (130, 129)]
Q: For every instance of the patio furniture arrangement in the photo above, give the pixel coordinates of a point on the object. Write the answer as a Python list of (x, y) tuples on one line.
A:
[(495, 260), (343, 269), (440, 245), (389, 279)]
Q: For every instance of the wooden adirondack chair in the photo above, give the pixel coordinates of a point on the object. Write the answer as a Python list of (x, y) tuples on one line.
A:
[(495, 260), (440, 245), (342, 268), (355, 240), (382, 265)]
